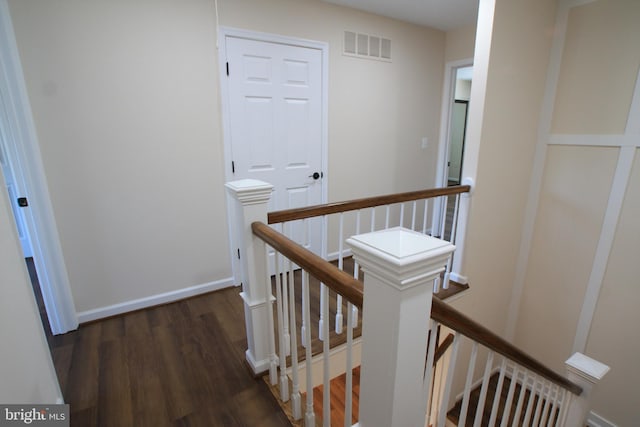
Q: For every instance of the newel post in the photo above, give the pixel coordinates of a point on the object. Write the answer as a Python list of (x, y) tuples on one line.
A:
[(587, 373), (400, 266), (251, 198)]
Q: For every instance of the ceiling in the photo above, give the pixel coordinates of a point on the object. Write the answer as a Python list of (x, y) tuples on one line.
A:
[(444, 15)]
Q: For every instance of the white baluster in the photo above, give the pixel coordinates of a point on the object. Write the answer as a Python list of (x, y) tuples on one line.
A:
[(510, 394), (296, 409), (443, 220), (273, 365), (356, 275), (401, 215), (284, 381), (309, 416), (444, 404), (339, 317), (462, 421), (285, 312), (413, 215), (555, 407), (326, 383), (425, 216), (373, 219), (427, 389), (565, 400), (304, 309), (538, 412), (496, 397), (348, 392), (324, 301), (454, 222), (386, 217), (521, 396), (547, 404), (532, 400), (483, 390)]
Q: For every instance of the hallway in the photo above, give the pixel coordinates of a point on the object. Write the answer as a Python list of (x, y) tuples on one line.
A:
[(180, 364)]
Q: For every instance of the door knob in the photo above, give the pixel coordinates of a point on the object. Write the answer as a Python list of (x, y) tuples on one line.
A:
[(316, 175)]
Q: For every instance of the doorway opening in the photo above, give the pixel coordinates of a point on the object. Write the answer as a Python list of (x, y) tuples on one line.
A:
[(455, 107), (21, 155), (458, 124)]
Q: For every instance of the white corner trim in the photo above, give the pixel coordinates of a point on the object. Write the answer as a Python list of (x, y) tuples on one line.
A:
[(595, 420), (164, 298)]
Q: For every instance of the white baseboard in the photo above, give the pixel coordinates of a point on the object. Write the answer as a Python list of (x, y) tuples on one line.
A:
[(595, 420), (164, 298), (333, 256)]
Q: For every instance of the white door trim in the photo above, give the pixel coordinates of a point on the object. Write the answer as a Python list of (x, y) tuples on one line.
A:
[(323, 47), (28, 167), (448, 93)]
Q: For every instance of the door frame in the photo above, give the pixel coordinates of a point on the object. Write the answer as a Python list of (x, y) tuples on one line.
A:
[(323, 47), (23, 153), (448, 99)]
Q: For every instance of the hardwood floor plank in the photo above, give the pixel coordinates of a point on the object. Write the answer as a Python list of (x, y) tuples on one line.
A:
[(147, 396), (82, 383), (181, 364), (173, 373), (114, 391)]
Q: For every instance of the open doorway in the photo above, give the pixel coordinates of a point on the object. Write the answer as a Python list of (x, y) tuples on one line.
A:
[(453, 130), (21, 153), (13, 185), (458, 124)]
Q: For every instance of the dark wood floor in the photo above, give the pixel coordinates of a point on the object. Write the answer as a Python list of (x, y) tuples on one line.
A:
[(180, 364)]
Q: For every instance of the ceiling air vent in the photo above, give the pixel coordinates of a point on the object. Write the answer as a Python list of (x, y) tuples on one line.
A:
[(366, 46)]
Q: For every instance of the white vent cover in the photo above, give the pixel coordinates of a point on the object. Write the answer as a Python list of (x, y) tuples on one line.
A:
[(366, 46)]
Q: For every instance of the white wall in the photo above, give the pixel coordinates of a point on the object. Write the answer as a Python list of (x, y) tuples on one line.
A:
[(125, 97), (27, 372)]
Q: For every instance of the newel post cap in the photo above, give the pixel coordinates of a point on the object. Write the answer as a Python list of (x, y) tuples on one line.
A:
[(401, 257), (586, 368), (250, 191)]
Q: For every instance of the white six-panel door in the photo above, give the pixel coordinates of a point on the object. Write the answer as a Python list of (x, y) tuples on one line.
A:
[(275, 124)]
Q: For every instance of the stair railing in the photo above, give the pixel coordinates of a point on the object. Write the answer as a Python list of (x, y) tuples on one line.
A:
[(400, 324), (432, 212), (535, 395)]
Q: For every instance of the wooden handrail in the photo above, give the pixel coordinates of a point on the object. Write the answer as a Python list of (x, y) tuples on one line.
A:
[(442, 348), (353, 290), (369, 202), (453, 319), (336, 279)]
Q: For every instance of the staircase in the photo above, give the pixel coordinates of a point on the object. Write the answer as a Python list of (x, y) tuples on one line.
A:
[(404, 379)]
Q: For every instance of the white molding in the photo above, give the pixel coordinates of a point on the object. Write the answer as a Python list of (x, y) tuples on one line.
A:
[(544, 130), (628, 140), (595, 420), (40, 222), (222, 33), (153, 300), (605, 243)]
